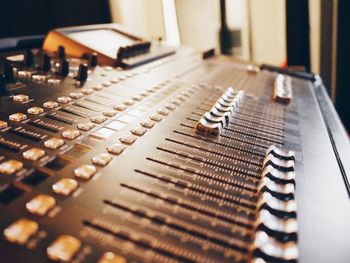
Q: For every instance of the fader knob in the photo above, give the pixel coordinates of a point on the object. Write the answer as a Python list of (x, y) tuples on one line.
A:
[(28, 58), (93, 60), (63, 69), (8, 72), (3, 90), (82, 72), (45, 64), (61, 52)]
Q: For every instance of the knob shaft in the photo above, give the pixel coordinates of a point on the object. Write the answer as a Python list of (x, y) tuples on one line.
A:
[(82, 72)]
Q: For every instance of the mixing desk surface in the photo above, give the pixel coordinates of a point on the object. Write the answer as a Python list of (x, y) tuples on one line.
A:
[(177, 159)]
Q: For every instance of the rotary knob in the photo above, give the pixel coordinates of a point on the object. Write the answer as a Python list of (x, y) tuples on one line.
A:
[(82, 72), (28, 58), (61, 52), (63, 69), (8, 72), (3, 89), (45, 64), (93, 60)]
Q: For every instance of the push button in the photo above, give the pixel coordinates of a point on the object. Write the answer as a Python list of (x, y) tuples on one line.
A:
[(85, 171), (53, 143), (65, 186), (33, 154), (76, 95), (110, 113), (128, 139), (139, 131), (87, 91), (116, 148), (64, 248), (11, 166), (20, 231), (21, 98), (147, 124), (163, 111), (41, 204), (70, 134), (17, 117), (35, 110), (110, 257), (3, 125), (64, 99), (98, 119), (86, 126), (50, 104), (156, 117), (102, 159)]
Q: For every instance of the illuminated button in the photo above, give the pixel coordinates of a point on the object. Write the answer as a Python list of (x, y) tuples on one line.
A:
[(102, 159), (170, 106), (64, 99), (116, 148), (53, 143), (110, 257), (64, 248), (24, 74), (33, 154), (65, 186), (109, 113), (98, 119), (76, 95), (128, 102), (10, 167), (17, 117), (128, 139), (86, 126), (163, 111), (147, 123), (50, 104), (38, 78), (41, 204), (21, 98), (98, 87), (87, 91), (156, 117), (70, 134), (85, 171), (3, 125), (20, 231), (53, 81), (139, 131), (35, 110), (120, 107)]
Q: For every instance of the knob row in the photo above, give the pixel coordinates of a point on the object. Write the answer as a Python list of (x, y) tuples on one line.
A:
[(276, 225), (214, 121)]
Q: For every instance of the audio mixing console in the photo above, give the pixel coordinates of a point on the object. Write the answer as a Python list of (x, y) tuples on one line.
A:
[(177, 159)]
